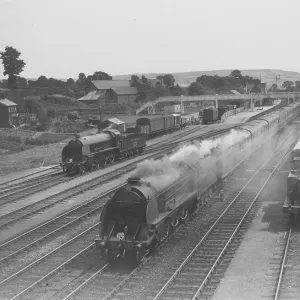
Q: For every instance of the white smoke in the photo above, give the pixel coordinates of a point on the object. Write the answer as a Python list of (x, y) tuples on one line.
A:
[(163, 172)]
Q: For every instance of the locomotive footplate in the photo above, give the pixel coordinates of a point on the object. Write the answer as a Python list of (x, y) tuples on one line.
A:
[(290, 209)]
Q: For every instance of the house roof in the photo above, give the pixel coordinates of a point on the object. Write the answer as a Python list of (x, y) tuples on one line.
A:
[(94, 95), (7, 102), (235, 92), (110, 84), (126, 90), (116, 121)]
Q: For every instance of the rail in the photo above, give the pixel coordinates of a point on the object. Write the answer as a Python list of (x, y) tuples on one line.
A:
[(283, 262)]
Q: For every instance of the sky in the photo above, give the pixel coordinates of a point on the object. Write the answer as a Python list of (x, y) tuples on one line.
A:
[(61, 38)]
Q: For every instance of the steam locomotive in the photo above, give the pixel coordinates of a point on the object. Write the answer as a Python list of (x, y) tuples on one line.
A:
[(141, 215), (100, 149)]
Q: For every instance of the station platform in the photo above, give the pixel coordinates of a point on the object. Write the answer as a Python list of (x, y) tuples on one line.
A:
[(246, 115)]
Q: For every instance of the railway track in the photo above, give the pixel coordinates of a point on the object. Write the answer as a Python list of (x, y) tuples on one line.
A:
[(14, 181), (204, 260), (29, 187), (14, 190), (30, 209), (39, 268), (287, 287), (6, 188), (33, 186)]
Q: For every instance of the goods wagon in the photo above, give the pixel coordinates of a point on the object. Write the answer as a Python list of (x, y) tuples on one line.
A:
[(158, 125), (100, 149), (142, 214), (152, 127), (177, 121), (221, 111), (169, 123), (209, 115)]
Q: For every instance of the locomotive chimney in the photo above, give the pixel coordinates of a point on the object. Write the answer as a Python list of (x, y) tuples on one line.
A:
[(133, 180)]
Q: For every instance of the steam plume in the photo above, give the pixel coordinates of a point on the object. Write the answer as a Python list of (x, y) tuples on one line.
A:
[(161, 173)]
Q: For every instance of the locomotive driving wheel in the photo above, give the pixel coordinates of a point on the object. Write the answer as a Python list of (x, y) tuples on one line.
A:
[(175, 221), (184, 214)]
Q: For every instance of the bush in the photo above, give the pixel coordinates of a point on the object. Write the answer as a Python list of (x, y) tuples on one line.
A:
[(64, 125), (50, 112), (73, 116)]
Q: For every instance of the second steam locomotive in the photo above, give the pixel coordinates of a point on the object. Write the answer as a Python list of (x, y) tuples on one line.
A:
[(100, 149)]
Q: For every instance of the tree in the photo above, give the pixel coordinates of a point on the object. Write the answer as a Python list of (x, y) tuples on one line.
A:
[(134, 77), (236, 74), (99, 75), (13, 66), (42, 81), (169, 80), (176, 90), (81, 79), (21, 81), (144, 79), (195, 88), (217, 82), (289, 85), (70, 81)]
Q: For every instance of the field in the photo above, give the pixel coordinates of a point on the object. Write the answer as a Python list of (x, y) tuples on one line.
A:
[(31, 158), (16, 156)]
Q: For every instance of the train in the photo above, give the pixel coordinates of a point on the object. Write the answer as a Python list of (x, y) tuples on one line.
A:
[(142, 214), (101, 149), (291, 206)]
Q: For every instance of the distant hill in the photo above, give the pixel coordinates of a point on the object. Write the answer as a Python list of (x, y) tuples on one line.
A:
[(267, 75)]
